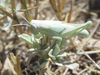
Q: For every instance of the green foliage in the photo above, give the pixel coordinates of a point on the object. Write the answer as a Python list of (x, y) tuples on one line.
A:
[(30, 40), (26, 38)]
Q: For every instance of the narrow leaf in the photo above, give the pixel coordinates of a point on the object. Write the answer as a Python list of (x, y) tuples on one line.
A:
[(36, 68), (56, 50), (70, 65), (26, 38), (62, 54), (57, 62), (50, 54)]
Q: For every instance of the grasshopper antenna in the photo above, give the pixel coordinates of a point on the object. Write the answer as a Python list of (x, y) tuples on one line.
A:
[(22, 17), (21, 24)]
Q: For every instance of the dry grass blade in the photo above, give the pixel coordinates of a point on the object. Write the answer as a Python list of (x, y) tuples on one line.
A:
[(29, 2), (62, 4), (93, 70), (68, 15), (66, 70), (89, 52), (70, 12), (59, 8), (53, 3), (14, 14), (59, 5), (36, 10), (28, 9), (82, 71), (3, 17), (68, 18), (55, 9), (27, 13), (16, 62), (13, 7), (8, 14), (0, 65), (8, 68), (22, 10)]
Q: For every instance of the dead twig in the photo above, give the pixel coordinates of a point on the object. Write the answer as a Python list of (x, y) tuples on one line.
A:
[(8, 14), (93, 70), (81, 49), (89, 52), (83, 71), (36, 9)]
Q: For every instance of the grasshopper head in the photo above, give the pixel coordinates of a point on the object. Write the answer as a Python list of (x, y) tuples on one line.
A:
[(34, 27), (34, 23)]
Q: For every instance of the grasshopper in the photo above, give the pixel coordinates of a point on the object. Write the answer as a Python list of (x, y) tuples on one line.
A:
[(58, 29)]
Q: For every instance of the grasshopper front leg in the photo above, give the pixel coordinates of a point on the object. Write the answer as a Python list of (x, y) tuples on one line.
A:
[(57, 40)]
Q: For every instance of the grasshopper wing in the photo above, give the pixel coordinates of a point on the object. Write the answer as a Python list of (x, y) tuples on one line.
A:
[(51, 28)]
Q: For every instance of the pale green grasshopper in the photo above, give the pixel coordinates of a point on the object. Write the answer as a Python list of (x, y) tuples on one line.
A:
[(58, 29)]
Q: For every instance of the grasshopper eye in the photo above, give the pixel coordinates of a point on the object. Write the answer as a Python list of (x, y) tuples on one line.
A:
[(34, 29), (34, 26)]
